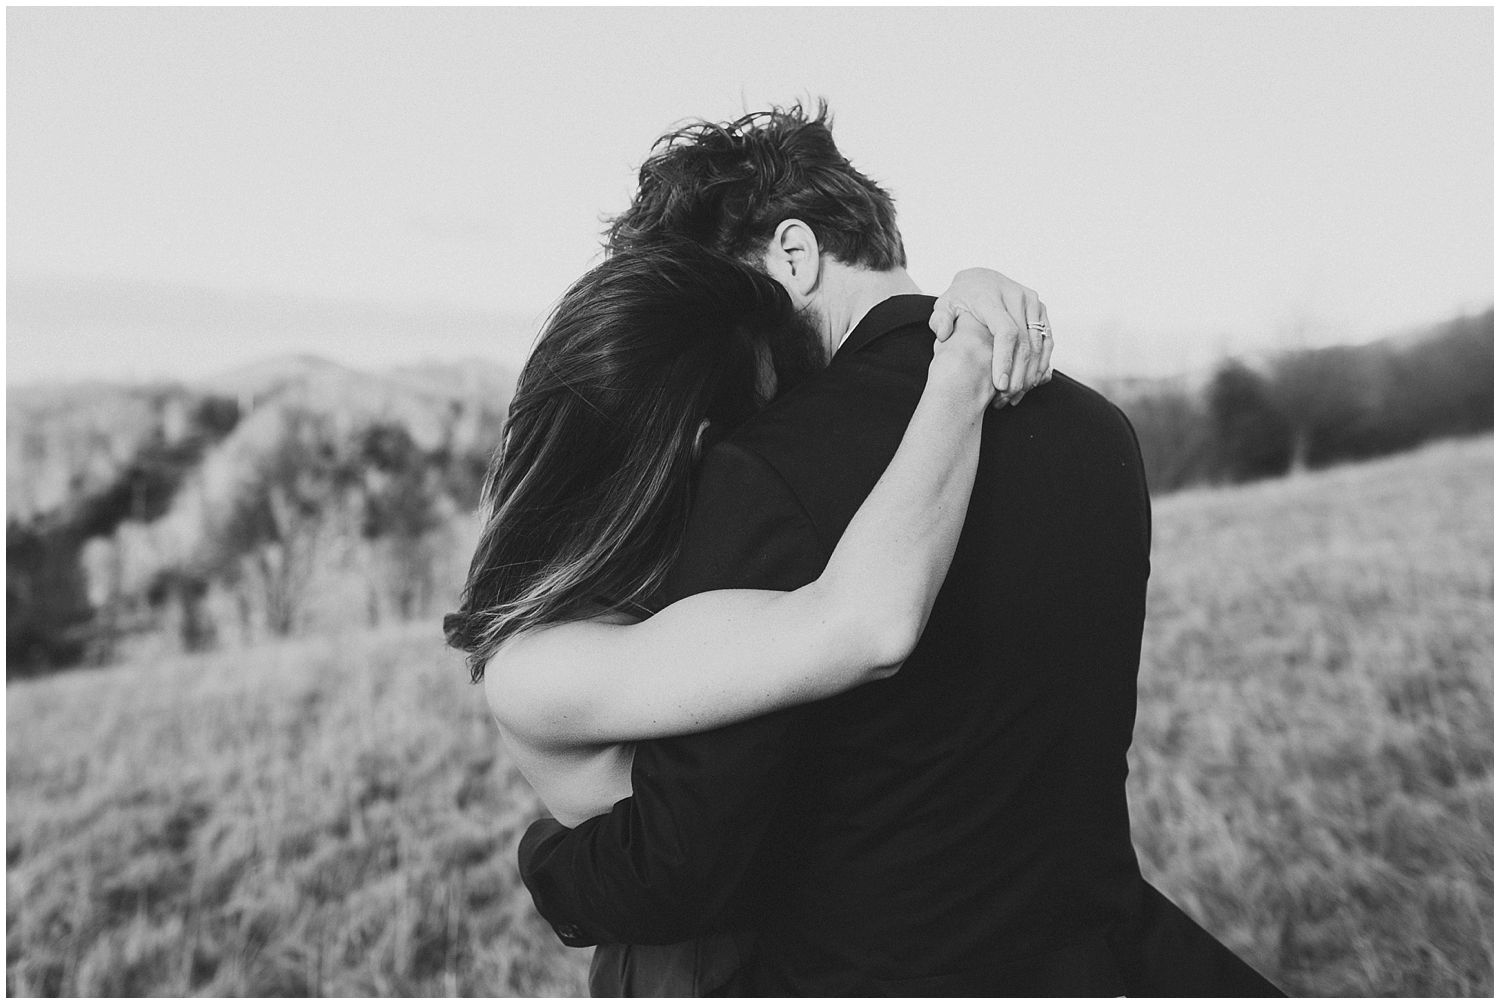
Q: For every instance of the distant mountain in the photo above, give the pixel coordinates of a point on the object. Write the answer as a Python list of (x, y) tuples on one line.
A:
[(267, 376), (308, 373)]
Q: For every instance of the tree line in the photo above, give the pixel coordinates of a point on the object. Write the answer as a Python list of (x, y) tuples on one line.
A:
[(1315, 407)]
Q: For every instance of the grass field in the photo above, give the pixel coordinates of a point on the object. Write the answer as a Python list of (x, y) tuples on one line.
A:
[(1313, 776)]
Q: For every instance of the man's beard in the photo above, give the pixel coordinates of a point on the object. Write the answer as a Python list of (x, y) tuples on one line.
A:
[(797, 351)]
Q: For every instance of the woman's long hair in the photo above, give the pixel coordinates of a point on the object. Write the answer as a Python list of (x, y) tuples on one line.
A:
[(586, 500)]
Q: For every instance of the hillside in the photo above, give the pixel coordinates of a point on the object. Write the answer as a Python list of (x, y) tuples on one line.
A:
[(68, 440), (273, 498), (1312, 775)]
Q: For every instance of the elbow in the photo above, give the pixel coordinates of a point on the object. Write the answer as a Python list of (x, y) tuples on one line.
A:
[(890, 638), (528, 708), (867, 636)]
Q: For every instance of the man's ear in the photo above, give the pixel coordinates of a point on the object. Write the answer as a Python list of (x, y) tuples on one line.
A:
[(793, 259)]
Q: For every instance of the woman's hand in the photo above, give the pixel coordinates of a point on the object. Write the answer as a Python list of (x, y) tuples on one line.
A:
[(1017, 319), (963, 361)]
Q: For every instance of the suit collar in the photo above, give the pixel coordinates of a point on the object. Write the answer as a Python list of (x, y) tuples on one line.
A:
[(887, 315)]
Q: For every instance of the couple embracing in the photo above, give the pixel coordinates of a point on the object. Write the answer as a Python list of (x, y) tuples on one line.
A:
[(820, 652)]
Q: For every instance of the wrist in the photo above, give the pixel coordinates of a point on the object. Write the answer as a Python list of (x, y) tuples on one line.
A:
[(963, 379)]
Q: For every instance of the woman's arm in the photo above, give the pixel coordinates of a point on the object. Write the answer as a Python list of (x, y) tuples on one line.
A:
[(727, 655)]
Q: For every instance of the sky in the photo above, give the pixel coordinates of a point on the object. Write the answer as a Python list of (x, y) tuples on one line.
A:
[(190, 189)]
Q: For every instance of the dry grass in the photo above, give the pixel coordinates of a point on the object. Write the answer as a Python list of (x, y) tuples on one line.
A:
[(1313, 760), (330, 817), (1313, 776)]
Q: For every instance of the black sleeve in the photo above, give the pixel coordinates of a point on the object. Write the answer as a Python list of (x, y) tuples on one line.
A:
[(662, 865)]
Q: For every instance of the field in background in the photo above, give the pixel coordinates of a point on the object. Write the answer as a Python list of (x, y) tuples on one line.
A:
[(1313, 776), (1313, 767)]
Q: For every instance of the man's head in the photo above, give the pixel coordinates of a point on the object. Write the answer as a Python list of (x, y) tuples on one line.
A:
[(729, 185), (771, 189)]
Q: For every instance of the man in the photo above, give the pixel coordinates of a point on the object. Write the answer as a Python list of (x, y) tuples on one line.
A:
[(960, 828)]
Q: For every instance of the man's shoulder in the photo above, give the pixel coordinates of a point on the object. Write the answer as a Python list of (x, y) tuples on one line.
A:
[(1075, 386), (1081, 401), (1080, 393)]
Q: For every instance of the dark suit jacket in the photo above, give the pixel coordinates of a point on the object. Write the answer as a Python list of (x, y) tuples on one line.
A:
[(962, 826)]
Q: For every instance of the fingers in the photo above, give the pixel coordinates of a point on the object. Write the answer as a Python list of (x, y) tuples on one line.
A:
[(1008, 345), (1013, 299), (982, 304), (1021, 376), (1036, 331), (1038, 338), (943, 316), (1051, 340), (993, 309)]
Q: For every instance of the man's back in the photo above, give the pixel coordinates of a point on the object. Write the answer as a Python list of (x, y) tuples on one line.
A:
[(968, 813)]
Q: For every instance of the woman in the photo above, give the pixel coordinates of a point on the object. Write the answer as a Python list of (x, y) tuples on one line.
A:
[(585, 508)]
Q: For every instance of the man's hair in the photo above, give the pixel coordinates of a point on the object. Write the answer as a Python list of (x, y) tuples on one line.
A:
[(727, 186)]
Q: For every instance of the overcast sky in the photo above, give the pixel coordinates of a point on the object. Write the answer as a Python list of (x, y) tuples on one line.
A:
[(1177, 183)]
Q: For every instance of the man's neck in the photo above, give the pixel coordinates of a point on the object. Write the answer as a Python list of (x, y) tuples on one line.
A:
[(857, 291)]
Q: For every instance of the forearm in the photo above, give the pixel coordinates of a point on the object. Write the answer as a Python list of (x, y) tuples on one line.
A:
[(703, 662), (727, 655)]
